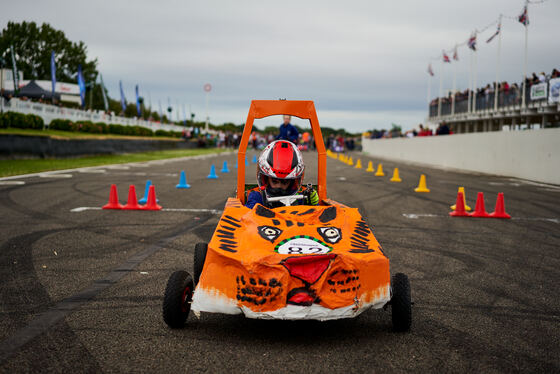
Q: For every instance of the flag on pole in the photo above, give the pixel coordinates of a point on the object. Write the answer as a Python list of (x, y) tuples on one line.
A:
[(138, 107), (495, 34), (160, 111), (53, 74), (82, 85), (446, 57), (472, 42), (430, 70), (185, 114), (14, 71), (524, 17), (105, 103), (455, 54), (123, 100)]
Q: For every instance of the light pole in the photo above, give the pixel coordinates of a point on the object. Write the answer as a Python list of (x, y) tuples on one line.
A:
[(207, 89)]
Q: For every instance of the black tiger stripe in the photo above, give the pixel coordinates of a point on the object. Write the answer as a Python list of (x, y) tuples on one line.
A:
[(307, 212), (228, 248), (353, 238), (226, 241), (231, 222), (232, 218), (228, 228), (225, 236), (357, 250), (226, 233)]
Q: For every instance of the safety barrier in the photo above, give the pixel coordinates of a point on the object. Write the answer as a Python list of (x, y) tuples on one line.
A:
[(531, 154), (50, 112)]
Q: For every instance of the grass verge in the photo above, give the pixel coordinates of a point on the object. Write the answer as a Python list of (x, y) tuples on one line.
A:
[(18, 167)]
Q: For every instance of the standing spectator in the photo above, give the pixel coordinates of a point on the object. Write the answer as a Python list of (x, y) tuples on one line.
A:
[(555, 74), (288, 131)]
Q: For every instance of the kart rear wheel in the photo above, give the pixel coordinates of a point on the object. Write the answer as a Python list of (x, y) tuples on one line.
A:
[(401, 309), (177, 299), (200, 250)]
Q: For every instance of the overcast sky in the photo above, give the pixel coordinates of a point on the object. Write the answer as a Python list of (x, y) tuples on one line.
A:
[(362, 62)]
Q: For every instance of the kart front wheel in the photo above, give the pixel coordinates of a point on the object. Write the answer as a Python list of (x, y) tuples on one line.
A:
[(401, 309), (200, 250), (177, 299)]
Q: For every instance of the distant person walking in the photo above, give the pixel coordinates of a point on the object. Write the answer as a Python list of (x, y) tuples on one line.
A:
[(288, 131)]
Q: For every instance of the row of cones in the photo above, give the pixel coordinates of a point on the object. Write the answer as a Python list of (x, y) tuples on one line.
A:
[(422, 187), (132, 203), (479, 210)]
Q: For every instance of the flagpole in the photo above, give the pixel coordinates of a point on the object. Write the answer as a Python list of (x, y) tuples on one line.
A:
[(440, 87), (496, 89), (475, 81), (523, 100), (454, 82), (470, 81)]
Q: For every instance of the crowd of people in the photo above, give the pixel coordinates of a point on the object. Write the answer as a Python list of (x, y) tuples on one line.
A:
[(396, 132), (508, 94), (304, 140)]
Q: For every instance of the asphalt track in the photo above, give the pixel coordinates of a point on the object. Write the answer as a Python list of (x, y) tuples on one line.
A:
[(81, 291)]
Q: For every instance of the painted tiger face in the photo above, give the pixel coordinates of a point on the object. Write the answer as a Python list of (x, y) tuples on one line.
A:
[(322, 257)]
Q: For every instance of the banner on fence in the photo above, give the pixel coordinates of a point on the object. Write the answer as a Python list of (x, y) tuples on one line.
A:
[(554, 90), (538, 91)]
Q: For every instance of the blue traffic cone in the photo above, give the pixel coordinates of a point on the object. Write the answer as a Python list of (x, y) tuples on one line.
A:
[(183, 181), (144, 200), (254, 159), (224, 168), (212, 173), (246, 161), (236, 164)]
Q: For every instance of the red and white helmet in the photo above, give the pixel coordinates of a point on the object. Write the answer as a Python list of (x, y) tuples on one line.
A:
[(282, 160)]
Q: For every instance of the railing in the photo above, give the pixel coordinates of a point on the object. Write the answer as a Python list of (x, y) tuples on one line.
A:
[(50, 112), (512, 98)]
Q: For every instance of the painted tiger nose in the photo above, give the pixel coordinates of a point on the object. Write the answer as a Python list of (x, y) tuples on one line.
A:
[(308, 268)]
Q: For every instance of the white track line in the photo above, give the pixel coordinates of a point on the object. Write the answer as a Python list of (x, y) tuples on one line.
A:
[(416, 216), (11, 183), (54, 175), (211, 211)]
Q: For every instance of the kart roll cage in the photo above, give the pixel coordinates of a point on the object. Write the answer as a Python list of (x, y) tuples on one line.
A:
[(297, 108)]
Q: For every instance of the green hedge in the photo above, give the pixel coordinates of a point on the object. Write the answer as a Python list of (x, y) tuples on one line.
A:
[(31, 121), (20, 121)]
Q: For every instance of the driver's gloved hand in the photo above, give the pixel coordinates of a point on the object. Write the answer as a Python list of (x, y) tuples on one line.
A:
[(313, 198)]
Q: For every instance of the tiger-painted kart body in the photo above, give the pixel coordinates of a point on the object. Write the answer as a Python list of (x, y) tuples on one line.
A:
[(298, 262), (292, 262)]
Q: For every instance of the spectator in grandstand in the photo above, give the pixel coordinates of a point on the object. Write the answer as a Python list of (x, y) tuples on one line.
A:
[(555, 74), (288, 131), (542, 77)]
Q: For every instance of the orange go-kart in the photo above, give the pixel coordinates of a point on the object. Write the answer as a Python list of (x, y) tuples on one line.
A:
[(291, 262)]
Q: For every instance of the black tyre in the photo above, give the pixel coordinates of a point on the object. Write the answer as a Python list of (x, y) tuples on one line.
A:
[(177, 299), (200, 250), (401, 309)]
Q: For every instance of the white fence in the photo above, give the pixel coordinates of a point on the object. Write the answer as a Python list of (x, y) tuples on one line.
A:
[(530, 154), (50, 112)]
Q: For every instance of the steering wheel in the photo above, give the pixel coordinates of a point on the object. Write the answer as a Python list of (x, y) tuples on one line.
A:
[(285, 200)]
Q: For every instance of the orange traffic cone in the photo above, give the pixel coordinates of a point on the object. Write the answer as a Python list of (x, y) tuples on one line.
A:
[(113, 199), (396, 177), (479, 210), (152, 204), (500, 209), (370, 167), (132, 203), (379, 172), (460, 207)]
